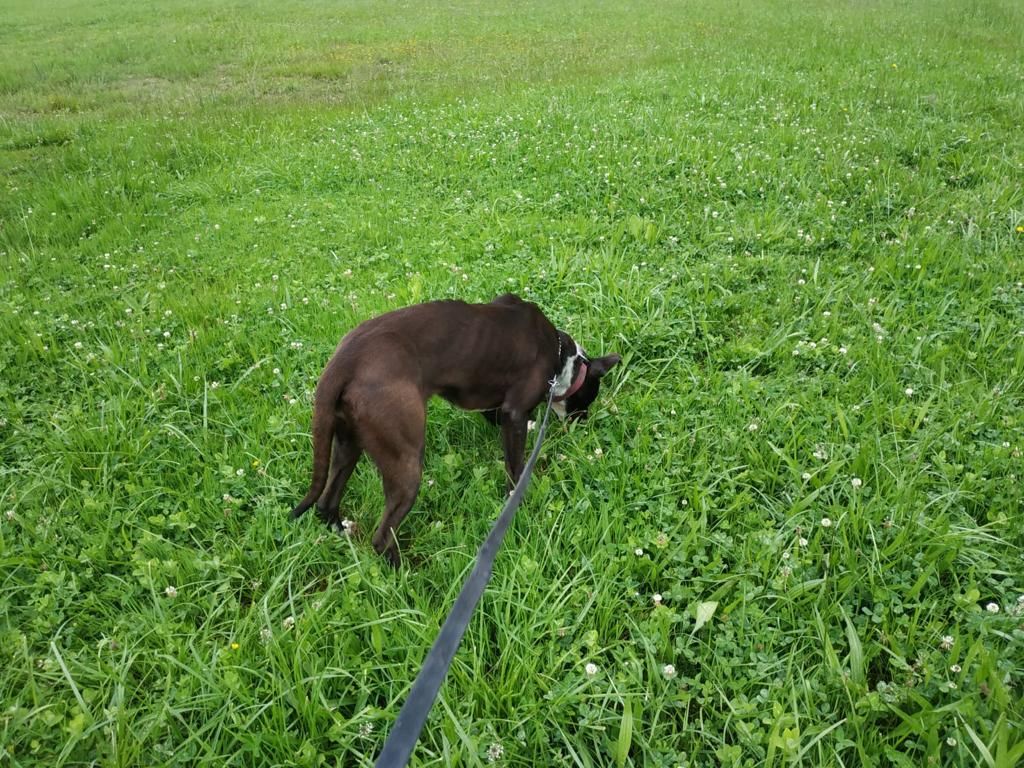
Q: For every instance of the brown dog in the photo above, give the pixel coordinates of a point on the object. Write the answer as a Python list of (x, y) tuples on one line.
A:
[(498, 358)]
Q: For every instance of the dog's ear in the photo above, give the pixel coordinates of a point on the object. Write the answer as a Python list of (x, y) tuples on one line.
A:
[(601, 365)]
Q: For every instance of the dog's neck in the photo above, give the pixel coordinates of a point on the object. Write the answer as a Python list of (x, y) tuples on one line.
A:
[(565, 383), (577, 382)]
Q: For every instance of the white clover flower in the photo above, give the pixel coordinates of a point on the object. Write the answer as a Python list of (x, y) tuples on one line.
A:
[(590, 669), (668, 671), (288, 623), (598, 452), (240, 472), (805, 476), (909, 391), (951, 741), (365, 729), (947, 642), (10, 514), (171, 591), (826, 522), (803, 542), (639, 552), (992, 608), (494, 752), (955, 669), (348, 526), (657, 598), (856, 482)]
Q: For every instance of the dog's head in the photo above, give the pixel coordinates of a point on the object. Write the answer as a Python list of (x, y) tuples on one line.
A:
[(579, 381)]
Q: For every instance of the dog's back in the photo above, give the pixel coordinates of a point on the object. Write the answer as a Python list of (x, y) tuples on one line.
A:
[(444, 346)]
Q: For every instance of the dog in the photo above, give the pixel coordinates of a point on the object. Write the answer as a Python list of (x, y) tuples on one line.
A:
[(499, 358)]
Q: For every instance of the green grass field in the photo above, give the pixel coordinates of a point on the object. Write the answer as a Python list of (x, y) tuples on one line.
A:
[(801, 224)]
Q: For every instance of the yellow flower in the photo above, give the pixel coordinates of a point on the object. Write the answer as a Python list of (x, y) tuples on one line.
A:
[(235, 646), (1020, 228)]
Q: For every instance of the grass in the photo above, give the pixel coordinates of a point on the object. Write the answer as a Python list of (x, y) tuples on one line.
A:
[(801, 227)]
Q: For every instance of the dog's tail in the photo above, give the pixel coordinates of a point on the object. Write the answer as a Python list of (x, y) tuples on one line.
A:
[(325, 405)]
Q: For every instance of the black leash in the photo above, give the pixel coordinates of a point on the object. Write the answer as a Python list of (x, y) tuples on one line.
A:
[(406, 731)]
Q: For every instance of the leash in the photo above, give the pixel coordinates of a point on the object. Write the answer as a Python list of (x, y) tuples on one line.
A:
[(411, 718)]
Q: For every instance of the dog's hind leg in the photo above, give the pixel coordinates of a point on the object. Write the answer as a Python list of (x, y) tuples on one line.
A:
[(344, 457), (397, 449), (401, 485)]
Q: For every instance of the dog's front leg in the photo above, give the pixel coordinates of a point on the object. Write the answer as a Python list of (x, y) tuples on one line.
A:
[(513, 438)]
